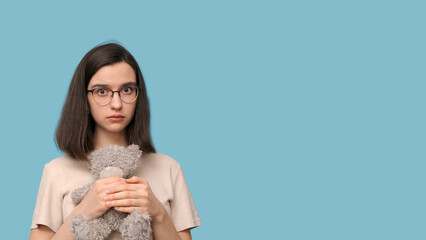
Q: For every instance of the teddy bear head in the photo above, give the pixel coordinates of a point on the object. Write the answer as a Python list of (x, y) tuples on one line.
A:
[(114, 158)]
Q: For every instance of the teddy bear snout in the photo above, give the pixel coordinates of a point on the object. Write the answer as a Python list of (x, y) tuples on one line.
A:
[(110, 172)]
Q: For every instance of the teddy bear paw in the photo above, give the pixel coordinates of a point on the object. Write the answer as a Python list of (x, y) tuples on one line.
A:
[(136, 226)]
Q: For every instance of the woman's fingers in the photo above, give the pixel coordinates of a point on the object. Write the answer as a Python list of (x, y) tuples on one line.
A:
[(93, 204), (123, 195), (124, 209), (136, 179), (130, 209), (117, 192), (133, 179), (133, 194), (131, 184), (125, 203), (120, 188), (107, 183), (110, 182)]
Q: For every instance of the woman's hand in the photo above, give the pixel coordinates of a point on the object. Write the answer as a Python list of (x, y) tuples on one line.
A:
[(93, 204), (135, 194)]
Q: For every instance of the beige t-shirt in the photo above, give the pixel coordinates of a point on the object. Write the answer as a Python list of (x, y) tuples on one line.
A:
[(64, 174)]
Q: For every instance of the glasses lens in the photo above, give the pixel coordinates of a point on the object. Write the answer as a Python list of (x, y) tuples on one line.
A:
[(102, 96), (129, 94)]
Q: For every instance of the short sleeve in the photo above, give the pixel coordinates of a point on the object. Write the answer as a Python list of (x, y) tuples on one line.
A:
[(182, 208), (48, 208)]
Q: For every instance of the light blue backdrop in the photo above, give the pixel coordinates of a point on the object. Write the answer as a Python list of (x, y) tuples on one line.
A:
[(291, 119)]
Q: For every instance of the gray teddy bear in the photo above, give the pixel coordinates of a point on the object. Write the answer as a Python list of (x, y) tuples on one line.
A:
[(112, 160)]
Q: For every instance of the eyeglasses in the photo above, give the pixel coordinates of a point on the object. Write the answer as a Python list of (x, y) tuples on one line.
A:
[(104, 95)]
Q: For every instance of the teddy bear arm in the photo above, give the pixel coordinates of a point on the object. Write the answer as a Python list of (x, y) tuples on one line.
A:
[(78, 194)]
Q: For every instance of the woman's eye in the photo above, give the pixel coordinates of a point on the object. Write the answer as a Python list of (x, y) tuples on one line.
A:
[(101, 91), (127, 90)]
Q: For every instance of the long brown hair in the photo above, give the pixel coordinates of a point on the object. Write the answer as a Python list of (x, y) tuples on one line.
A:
[(75, 131)]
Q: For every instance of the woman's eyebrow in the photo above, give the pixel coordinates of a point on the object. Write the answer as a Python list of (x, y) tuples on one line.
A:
[(122, 85)]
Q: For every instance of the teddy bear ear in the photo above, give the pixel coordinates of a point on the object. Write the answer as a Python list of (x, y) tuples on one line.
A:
[(135, 149)]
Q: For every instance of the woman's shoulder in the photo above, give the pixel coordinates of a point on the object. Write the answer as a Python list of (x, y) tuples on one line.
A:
[(160, 159), (65, 162), (157, 163)]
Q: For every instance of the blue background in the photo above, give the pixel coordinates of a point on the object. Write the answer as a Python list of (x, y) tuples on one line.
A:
[(291, 119)]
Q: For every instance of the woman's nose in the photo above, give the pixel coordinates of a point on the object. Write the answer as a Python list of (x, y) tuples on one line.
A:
[(116, 101)]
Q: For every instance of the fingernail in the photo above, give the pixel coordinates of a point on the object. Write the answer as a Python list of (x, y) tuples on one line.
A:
[(106, 198), (108, 203), (108, 191)]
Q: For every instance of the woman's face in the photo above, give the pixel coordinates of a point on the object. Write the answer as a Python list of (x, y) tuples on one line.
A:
[(116, 115)]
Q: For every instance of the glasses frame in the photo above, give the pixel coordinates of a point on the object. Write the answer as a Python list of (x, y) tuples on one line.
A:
[(112, 94)]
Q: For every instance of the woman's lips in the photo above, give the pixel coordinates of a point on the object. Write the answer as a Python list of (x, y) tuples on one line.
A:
[(116, 118)]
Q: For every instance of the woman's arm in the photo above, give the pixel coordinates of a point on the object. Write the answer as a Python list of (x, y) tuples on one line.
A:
[(185, 234), (136, 194), (163, 228), (126, 196), (43, 232), (93, 205)]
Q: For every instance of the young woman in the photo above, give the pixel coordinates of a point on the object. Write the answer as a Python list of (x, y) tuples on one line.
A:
[(107, 104)]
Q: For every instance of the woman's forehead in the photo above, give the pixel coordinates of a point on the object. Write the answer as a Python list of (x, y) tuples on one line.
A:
[(116, 75), (130, 83)]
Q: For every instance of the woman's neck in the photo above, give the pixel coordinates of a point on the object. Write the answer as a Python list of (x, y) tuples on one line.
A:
[(104, 138)]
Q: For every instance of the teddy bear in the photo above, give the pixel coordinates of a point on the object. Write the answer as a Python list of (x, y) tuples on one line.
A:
[(112, 160)]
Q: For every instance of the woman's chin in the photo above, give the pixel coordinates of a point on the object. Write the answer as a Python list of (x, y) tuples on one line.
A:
[(112, 129), (116, 130)]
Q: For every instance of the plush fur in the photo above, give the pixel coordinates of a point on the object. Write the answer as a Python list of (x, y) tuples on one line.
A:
[(110, 161)]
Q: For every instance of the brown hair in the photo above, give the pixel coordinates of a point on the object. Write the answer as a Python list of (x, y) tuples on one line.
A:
[(74, 134)]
